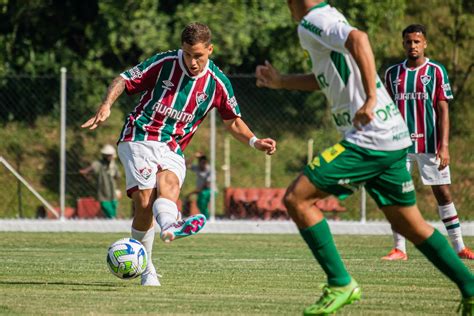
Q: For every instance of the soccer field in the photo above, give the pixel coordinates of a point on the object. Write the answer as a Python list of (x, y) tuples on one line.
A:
[(211, 274)]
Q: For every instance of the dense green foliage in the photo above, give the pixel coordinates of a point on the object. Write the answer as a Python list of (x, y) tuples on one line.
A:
[(66, 273), (101, 38), (95, 40)]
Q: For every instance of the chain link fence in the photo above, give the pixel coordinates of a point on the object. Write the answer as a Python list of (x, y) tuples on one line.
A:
[(30, 142)]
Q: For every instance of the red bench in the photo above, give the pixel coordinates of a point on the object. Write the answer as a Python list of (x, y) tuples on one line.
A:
[(88, 207), (267, 203)]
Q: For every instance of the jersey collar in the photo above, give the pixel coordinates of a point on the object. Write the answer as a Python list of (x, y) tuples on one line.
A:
[(415, 69), (185, 69), (320, 5)]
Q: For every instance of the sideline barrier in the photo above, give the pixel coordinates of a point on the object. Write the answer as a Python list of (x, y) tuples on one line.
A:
[(212, 227)]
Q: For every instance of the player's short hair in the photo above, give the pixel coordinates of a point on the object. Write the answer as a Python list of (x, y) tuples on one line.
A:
[(202, 158), (195, 33), (414, 28)]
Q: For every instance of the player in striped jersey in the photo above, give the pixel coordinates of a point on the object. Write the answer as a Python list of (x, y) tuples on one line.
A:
[(421, 90), (178, 89), (373, 153)]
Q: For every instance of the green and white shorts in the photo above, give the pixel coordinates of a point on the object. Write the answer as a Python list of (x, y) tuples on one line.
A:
[(344, 167)]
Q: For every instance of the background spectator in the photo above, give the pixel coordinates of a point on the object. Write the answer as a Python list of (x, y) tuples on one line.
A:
[(106, 173), (201, 195)]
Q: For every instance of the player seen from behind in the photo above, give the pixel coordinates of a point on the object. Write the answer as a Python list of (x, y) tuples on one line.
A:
[(372, 153)]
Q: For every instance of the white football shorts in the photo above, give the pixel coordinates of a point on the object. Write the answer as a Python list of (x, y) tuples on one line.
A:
[(142, 160), (428, 167)]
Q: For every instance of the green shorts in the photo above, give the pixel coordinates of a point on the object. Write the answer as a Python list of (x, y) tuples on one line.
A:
[(344, 167), (109, 208), (203, 202)]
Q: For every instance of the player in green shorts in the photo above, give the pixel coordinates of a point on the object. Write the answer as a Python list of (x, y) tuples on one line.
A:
[(373, 153)]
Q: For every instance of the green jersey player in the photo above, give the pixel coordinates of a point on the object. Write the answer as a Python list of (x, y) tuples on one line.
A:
[(178, 89), (373, 152), (420, 88)]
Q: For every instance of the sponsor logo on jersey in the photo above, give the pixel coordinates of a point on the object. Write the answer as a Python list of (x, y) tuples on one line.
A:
[(400, 136), (411, 96), (323, 83), (446, 87), (135, 73), (167, 85), (387, 112), (408, 186), (173, 113), (311, 27), (232, 102), (342, 119), (400, 132), (332, 152), (397, 82), (201, 97), (416, 135), (425, 79)]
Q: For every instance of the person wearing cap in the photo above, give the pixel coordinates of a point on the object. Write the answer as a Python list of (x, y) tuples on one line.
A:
[(106, 173)]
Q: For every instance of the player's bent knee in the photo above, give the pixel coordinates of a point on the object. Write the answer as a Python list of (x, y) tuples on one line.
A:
[(293, 204)]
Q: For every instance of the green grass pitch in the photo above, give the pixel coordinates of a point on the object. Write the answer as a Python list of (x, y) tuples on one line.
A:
[(66, 273)]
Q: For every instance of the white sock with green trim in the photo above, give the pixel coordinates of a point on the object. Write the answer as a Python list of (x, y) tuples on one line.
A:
[(449, 216)]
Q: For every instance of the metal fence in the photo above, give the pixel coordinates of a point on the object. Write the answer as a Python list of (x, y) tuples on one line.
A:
[(32, 141)]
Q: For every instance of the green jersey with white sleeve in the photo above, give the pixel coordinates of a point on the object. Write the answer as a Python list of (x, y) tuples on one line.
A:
[(323, 33)]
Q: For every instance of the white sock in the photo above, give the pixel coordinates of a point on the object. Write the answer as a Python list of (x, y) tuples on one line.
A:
[(399, 242), (165, 211), (449, 216), (146, 238)]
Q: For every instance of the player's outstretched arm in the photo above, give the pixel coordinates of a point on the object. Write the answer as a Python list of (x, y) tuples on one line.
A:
[(113, 92), (242, 132), (269, 77)]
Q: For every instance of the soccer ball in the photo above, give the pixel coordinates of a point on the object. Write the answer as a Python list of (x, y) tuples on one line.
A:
[(126, 258)]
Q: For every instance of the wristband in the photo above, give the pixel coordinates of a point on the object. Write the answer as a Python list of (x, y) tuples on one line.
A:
[(252, 141)]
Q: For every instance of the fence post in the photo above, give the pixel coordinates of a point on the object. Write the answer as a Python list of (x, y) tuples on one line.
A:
[(213, 166), (363, 205), (268, 171), (62, 153), (310, 149), (226, 166)]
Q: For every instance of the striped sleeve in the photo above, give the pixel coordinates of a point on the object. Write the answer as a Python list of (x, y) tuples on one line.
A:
[(388, 86), (225, 100), (443, 87), (143, 76)]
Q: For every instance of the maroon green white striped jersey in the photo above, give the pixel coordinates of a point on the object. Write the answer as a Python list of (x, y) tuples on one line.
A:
[(173, 102), (417, 93)]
